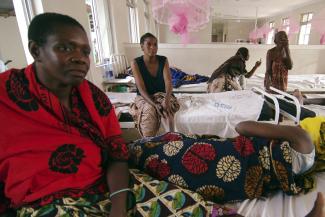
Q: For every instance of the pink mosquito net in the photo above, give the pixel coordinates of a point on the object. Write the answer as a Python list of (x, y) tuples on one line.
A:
[(182, 16)]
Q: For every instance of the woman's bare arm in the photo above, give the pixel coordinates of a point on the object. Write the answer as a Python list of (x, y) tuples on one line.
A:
[(298, 138), (268, 73)]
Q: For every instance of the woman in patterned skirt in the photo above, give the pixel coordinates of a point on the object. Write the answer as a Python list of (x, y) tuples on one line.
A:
[(278, 62)]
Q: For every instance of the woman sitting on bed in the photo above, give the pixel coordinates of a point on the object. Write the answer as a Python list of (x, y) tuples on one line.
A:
[(154, 102), (264, 158), (225, 77)]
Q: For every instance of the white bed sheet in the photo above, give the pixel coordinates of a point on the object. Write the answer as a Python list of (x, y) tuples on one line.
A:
[(216, 113), (308, 82), (302, 82), (282, 205)]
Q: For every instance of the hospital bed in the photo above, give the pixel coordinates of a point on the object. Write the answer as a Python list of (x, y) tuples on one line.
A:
[(208, 114), (301, 111), (311, 84)]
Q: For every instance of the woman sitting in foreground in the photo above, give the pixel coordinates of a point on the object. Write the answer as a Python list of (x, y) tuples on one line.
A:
[(264, 159)]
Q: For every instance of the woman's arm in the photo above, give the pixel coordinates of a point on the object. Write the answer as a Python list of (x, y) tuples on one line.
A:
[(117, 176), (298, 138), (251, 72), (141, 86), (168, 87), (268, 73), (287, 60)]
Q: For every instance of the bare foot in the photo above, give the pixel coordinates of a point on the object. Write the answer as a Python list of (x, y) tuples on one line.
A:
[(299, 96), (319, 207)]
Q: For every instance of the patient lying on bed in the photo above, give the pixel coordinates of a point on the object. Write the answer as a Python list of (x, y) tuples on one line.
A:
[(264, 159)]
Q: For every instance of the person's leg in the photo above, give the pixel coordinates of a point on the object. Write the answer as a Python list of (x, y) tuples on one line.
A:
[(299, 96), (316, 101), (318, 208), (303, 100), (148, 123), (168, 123)]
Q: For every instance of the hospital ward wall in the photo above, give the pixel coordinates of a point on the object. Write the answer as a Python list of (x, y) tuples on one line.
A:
[(294, 15), (11, 46), (204, 58)]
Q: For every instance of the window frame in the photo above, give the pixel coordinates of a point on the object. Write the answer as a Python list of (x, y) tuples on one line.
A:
[(305, 28), (270, 36), (133, 20), (286, 24)]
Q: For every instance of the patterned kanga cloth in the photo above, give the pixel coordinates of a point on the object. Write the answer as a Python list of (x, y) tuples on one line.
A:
[(153, 198), (146, 117), (220, 170)]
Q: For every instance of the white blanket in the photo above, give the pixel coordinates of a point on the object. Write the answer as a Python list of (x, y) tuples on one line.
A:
[(217, 113)]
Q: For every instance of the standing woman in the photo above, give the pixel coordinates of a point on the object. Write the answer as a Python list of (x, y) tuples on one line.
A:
[(154, 102), (278, 62)]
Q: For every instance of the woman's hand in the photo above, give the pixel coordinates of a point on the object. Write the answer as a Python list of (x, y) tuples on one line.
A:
[(233, 83), (160, 110), (258, 63), (167, 107)]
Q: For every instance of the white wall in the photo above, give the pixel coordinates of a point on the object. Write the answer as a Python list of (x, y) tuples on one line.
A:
[(296, 16), (11, 47), (204, 58), (238, 30)]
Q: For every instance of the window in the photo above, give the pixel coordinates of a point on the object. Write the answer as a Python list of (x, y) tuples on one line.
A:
[(100, 30), (270, 36), (305, 26), (286, 25), (94, 31), (133, 21)]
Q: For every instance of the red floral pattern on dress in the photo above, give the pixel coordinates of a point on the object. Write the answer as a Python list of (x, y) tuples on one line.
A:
[(18, 92), (102, 103), (157, 168), (117, 149), (244, 146), (194, 159)]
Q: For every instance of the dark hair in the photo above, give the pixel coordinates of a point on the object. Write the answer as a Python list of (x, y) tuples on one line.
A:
[(45, 24), (242, 51), (145, 36)]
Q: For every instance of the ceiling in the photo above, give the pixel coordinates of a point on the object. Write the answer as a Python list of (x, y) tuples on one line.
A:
[(6, 8), (226, 9), (248, 9)]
